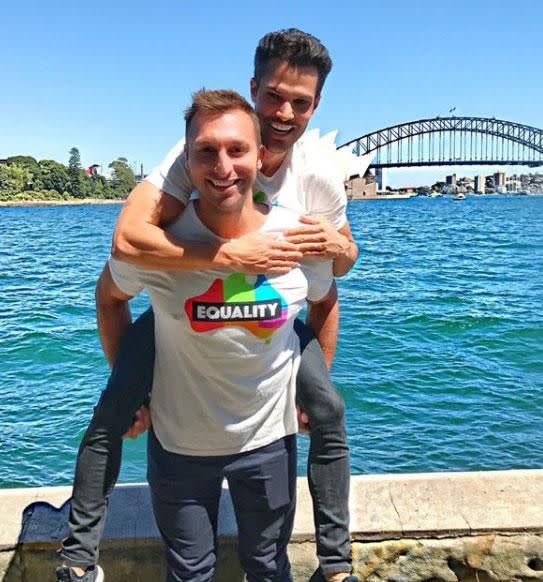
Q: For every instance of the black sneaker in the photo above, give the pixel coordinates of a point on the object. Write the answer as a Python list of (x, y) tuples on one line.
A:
[(318, 576), (65, 574)]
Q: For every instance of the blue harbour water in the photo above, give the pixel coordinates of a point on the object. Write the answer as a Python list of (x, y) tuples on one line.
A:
[(439, 357)]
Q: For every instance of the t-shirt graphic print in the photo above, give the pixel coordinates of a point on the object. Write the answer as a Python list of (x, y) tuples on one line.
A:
[(234, 301)]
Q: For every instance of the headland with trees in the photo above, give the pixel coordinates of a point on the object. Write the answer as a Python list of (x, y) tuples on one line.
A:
[(25, 180)]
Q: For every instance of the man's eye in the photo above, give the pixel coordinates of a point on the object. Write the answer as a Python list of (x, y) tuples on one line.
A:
[(301, 104)]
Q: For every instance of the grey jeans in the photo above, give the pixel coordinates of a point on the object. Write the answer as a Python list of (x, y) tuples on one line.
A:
[(99, 457), (186, 491)]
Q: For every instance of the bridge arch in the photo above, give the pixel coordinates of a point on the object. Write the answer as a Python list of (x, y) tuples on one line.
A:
[(433, 142)]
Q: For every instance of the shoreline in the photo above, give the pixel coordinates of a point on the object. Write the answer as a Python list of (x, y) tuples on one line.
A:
[(72, 202)]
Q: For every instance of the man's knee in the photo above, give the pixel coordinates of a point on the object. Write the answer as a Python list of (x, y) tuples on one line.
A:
[(328, 410), (318, 397)]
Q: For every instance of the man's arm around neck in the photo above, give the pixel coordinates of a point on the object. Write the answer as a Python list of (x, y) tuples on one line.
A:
[(140, 238)]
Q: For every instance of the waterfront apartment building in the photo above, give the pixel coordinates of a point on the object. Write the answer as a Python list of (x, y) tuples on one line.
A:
[(480, 185), (451, 180), (513, 185)]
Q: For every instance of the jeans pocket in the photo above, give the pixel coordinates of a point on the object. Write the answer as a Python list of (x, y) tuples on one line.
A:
[(277, 485)]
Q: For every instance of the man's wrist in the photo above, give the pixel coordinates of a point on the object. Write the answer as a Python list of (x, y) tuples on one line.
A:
[(346, 246), (224, 258)]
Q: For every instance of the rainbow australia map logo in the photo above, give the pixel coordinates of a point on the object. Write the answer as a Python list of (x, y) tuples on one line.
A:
[(257, 306)]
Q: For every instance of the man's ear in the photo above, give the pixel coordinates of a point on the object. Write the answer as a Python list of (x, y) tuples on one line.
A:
[(261, 152), (254, 89)]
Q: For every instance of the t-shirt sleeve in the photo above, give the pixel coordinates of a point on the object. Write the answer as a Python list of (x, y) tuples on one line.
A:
[(171, 175), (319, 278), (326, 193), (125, 276)]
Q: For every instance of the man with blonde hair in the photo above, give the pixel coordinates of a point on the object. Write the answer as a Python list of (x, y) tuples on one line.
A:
[(223, 401)]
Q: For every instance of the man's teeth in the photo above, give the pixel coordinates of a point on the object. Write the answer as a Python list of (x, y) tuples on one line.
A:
[(281, 128), (223, 183)]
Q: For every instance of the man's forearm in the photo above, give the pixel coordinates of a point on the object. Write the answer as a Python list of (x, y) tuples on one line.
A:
[(323, 319), (152, 247), (112, 316), (139, 238), (112, 322)]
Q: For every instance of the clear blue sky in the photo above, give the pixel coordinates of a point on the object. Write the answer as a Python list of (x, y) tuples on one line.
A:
[(112, 78)]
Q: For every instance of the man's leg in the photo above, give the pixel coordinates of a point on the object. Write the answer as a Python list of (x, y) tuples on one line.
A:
[(262, 484), (185, 492), (99, 457), (328, 468)]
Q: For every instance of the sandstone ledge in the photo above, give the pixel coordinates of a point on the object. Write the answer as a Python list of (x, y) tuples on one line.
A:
[(480, 527)]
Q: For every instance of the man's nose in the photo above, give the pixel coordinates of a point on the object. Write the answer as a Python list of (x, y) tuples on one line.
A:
[(285, 112), (223, 165)]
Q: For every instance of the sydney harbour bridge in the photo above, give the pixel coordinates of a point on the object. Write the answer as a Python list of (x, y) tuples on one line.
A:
[(451, 141)]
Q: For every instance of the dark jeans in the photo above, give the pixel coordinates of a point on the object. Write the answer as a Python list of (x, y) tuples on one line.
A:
[(186, 491), (99, 456)]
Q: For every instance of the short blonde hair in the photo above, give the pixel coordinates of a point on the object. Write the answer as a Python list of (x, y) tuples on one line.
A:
[(219, 101)]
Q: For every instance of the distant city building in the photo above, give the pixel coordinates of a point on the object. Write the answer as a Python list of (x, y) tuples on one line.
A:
[(513, 186), (499, 179), (498, 182), (480, 184)]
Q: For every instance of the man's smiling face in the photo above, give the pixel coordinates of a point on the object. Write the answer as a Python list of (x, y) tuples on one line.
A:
[(223, 156), (285, 99)]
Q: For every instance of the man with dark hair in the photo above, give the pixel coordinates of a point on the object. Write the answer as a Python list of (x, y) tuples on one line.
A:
[(300, 172), (297, 48)]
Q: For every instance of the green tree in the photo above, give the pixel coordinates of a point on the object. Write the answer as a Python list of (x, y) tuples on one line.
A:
[(123, 179), (74, 172), (14, 179), (22, 161), (53, 176)]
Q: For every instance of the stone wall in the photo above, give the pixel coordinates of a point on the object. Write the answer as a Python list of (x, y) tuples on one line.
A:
[(474, 527), (485, 558)]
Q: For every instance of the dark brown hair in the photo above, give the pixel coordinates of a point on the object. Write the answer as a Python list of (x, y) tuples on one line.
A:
[(297, 48)]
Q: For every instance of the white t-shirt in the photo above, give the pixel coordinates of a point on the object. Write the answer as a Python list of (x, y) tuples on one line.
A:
[(310, 180), (226, 351)]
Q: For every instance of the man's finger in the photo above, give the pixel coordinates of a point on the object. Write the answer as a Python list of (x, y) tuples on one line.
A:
[(286, 248), (307, 219), (288, 257), (283, 245), (309, 238), (302, 230), (312, 247), (141, 423), (303, 421)]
